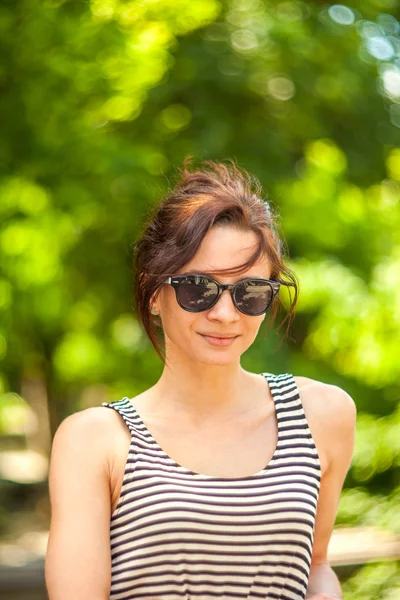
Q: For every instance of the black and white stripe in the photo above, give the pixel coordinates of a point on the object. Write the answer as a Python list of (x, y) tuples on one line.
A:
[(176, 534)]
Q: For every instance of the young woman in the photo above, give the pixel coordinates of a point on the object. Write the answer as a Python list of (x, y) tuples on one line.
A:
[(215, 482)]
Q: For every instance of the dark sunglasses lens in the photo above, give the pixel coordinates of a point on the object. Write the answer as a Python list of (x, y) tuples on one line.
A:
[(196, 293), (253, 297)]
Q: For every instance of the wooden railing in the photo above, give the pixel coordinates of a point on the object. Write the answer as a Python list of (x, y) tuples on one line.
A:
[(359, 545)]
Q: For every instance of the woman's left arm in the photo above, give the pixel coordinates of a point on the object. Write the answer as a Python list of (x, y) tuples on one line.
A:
[(335, 412)]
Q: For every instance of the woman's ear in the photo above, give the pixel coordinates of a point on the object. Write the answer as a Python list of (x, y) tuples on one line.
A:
[(154, 309)]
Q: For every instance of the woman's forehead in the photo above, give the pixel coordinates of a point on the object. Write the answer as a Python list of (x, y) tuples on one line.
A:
[(227, 248), (213, 268)]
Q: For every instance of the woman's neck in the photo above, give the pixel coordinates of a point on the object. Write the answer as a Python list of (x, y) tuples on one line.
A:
[(199, 392)]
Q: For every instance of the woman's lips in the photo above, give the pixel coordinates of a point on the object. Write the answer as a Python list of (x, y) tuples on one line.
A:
[(219, 341)]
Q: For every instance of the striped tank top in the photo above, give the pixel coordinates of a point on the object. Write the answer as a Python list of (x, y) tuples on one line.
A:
[(176, 534)]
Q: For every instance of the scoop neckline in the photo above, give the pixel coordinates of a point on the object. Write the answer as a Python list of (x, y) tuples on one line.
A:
[(185, 470)]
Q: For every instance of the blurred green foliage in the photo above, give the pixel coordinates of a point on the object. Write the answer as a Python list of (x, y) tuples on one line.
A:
[(101, 101)]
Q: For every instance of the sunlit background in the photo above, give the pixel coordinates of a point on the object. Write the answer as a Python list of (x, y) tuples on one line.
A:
[(100, 102)]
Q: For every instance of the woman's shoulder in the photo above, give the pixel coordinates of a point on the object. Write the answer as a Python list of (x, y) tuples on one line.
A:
[(331, 414), (89, 432), (325, 399), (88, 422)]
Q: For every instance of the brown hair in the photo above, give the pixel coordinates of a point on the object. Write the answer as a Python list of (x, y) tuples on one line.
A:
[(216, 194)]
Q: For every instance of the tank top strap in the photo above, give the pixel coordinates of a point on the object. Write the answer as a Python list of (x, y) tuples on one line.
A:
[(289, 408), (125, 409)]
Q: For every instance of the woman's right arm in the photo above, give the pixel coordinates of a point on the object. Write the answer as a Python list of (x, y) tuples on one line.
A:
[(78, 560)]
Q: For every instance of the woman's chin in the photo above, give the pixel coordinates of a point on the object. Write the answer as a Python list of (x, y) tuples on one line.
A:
[(221, 359), (207, 355)]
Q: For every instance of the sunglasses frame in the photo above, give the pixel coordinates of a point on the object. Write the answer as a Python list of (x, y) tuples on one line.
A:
[(176, 280)]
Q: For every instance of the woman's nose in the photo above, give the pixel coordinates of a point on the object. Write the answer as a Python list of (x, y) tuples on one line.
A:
[(224, 308)]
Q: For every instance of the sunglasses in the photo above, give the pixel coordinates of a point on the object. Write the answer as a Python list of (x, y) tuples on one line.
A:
[(251, 296)]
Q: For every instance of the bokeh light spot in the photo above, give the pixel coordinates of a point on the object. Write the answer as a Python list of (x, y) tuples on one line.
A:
[(127, 333), (291, 11), (15, 239), (103, 10), (341, 14), (120, 108), (79, 355), (281, 88), (391, 83), (175, 117), (379, 47), (244, 41), (326, 155)]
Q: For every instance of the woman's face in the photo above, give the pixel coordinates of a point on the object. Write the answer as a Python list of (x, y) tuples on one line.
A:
[(189, 335)]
